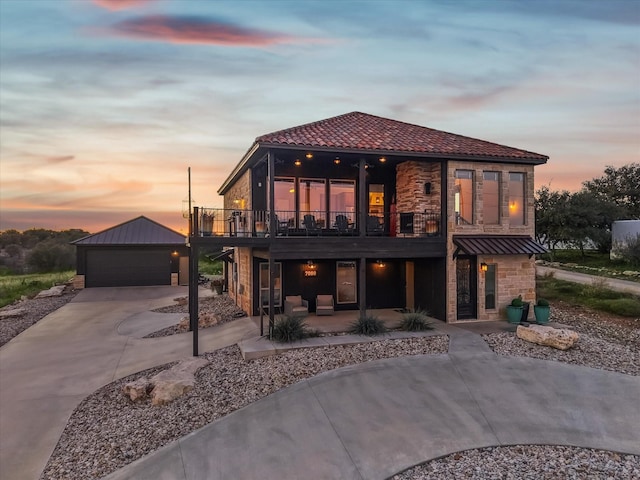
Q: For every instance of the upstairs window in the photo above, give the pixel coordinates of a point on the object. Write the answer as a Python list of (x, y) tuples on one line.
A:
[(516, 199), (491, 198), (463, 197)]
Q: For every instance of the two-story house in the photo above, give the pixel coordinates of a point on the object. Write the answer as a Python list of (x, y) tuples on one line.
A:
[(379, 214)]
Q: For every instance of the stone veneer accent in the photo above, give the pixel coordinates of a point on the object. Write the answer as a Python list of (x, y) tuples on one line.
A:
[(78, 282), (244, 285), (174, 279), (410, 179), (515, 273)]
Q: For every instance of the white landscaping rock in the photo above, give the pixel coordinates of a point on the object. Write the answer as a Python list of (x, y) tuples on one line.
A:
[(560, 338), (54, 291), (137, 390), (175, 382), (14, 312)]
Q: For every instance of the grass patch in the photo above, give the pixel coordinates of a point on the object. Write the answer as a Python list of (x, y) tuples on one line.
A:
[(14, 287), (207, 267), (595, 295), (368, 325), (415, 321), (591, 261), (290, 328)]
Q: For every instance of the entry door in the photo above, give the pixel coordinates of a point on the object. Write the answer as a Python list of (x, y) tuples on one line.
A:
[(466, 293)]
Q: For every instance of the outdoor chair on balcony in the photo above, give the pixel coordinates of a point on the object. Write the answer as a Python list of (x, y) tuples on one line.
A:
[(311, 225), (282, 226), (324, 305), (295, 305), (342, 225), (374, 227)]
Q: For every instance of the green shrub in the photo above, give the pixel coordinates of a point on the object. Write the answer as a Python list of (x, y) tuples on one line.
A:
[(290, 328), (543, 302), (416, 321), (517, 302), (368, 325)]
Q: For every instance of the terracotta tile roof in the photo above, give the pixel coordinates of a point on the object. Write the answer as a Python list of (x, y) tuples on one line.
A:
[(139, 231), (497, 245), (361, 131)]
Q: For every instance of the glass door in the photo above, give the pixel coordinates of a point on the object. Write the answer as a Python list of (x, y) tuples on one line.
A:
[(264, 284)]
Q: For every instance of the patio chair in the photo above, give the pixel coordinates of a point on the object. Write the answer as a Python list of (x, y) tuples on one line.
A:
[(295, 305), (311, 225), (324, 305), (342, 224), (374, 227)]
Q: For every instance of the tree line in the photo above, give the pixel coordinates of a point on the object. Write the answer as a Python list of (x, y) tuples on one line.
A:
[(38, 250), (584, 218)]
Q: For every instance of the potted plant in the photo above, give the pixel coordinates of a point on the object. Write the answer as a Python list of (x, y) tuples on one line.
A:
[(514, 310), (216, 285), (542, 311)]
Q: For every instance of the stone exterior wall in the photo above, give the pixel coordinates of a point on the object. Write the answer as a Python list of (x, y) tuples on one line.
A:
[(240, 289), (515, 275), (239, 195), (411, 177)]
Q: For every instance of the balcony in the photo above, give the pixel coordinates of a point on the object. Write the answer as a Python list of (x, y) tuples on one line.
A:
[(256, 224)]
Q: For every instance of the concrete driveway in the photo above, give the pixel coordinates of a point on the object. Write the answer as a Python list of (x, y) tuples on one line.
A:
[(49, 368)]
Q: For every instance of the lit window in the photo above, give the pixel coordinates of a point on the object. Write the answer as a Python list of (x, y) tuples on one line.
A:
[(491, 198), (463, 197), (516, 199)]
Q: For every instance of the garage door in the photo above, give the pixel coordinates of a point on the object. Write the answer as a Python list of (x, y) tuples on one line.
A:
[(122, 268)]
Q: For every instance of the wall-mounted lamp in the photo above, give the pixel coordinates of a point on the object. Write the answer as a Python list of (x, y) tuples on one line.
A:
[(484, 267), (427, 188), (174, 253), (309, 155), (337, 161), (297, 163), (380, 263), (310, 269), (513, 205), (382, 159)]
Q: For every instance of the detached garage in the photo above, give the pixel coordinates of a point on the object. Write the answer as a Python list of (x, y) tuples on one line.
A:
[(139, 252)]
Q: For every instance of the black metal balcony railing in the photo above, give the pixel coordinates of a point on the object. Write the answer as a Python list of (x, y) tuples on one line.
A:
[(257, 223)]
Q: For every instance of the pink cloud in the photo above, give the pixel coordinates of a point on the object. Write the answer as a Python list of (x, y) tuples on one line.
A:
[(193, 30), (120, 4)]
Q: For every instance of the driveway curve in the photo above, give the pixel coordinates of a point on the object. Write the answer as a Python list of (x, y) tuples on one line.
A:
[(373, 420), (47, 370)]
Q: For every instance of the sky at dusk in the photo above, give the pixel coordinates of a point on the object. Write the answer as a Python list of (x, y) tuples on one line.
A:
[(104, 104)]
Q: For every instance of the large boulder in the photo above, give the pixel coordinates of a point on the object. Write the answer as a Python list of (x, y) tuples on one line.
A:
[(55, 291), (167, 385), (560, 338)]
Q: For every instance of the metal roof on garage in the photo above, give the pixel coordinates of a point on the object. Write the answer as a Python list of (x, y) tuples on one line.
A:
[(496, 245), (139, 231)]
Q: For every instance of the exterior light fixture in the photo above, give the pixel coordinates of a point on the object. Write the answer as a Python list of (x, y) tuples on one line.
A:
[(382, 159), (297, 163), (380, 263), (174, 253), (337, 161), (484, 267), (309, 155)]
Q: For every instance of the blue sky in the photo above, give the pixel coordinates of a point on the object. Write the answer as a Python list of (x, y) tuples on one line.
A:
[(105, 103)]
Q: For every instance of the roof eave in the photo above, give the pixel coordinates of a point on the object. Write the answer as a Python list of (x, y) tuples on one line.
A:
[(239, 169)]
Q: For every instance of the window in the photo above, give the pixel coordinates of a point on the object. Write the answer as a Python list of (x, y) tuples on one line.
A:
[(342, 199), (347, 282), (516, 199), (284, 193), (490, 287), (463, 197), (264, 284), (491, 198), (312, 198)]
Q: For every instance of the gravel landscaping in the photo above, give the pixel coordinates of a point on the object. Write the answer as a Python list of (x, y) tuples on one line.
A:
[(533, 462), (108, 431)]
